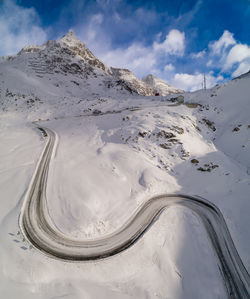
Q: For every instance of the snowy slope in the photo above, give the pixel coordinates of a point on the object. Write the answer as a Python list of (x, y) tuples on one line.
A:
[(66, 67), (115, 149), (161, 86)]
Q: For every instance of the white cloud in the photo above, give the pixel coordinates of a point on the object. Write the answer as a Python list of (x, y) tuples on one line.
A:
[(174, 43), (187, 81), (242, 68), (223, 43), (169, 67), (143, 60), (199, 54), (19, 27), (237, 54), (140, 59), (117, 17), (136, 58), (91, 33), (193, 82), (209, 63), (229, 55), (97, 18)]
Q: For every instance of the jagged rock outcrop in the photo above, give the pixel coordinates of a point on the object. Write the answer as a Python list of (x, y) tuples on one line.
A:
[(128, 79), (78, 48), (160, 86)]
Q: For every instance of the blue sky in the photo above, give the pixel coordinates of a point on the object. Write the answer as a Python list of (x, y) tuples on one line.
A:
[(175, 40)]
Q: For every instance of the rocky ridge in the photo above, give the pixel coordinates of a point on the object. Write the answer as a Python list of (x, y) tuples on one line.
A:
[(160, 86), (69, 55)]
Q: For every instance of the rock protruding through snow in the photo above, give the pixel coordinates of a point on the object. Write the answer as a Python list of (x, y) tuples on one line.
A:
[(160, 86)]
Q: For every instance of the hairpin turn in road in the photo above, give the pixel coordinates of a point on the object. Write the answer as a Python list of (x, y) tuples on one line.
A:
[(37, 227)]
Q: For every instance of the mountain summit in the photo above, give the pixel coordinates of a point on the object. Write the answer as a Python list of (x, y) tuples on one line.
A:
[(69, 55), (66, 69), (78, 48)]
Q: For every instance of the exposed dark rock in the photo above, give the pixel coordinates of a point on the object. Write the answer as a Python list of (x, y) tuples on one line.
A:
[(174, 140), (179, 99), (209, 123), (142, 134), (184, 153), (96, 112), (165, 145), (178, 130), (208, 167), (236, 129), (194, 161), (164, 134)]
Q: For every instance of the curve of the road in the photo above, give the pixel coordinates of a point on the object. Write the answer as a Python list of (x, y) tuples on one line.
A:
[(37, 227)]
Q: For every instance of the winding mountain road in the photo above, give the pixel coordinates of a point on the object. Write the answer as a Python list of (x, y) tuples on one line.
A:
[(38, 228)]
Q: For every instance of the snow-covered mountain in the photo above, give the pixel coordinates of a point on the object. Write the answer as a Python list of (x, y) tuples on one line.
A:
[(161, 86), (60, 72), (245, 75), (69, 65), (115, 148)]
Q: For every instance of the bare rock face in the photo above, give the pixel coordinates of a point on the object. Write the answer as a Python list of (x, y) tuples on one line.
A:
[(30, 49), (125, 76), (78, 48), (160, 86)]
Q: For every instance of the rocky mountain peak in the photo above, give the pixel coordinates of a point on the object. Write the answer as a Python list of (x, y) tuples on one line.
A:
[(70, 34), (70, 39), (149, 79), (30, 49), (79, 49), (69, 57), (161, 86)]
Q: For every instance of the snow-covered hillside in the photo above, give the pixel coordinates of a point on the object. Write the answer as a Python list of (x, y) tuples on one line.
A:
[(115, 149), (65, 67), (161, 87), (61, 73)]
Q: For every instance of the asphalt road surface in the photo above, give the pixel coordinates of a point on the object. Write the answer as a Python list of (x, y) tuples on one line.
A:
[(38, 228)]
